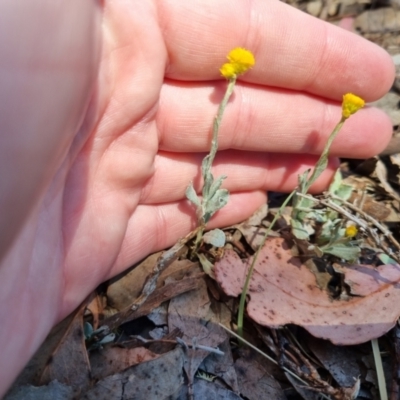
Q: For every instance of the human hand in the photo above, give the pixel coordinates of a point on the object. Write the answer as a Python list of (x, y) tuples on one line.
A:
[(118, 191)]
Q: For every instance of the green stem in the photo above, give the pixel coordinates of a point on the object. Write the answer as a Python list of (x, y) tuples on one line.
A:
[(255, 257), (379, 369), (199, 236), (318, 169), (323, 159), (209, 158), (217, 120)]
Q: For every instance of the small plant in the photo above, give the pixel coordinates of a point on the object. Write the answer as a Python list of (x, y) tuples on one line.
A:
[(96, 339), (334, 237), (303, 215), (213, 197)]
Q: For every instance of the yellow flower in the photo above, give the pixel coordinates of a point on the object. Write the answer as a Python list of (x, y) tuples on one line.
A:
[(351, 104), (228, 71), (240, 60), (351, 231)]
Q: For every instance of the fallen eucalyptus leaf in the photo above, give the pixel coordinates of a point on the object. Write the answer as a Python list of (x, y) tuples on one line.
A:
[(284, 291)]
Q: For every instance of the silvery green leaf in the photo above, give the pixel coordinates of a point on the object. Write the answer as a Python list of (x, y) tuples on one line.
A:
[(301, 230), (208, 267), (318, 218), (219, 200), (316, 215), (103, 330), (215, 237), (303, 181), (326, 232), (344, 251), (331, 214), (301, 204), (87, 330), (318, 251), (340, 189), (344, 191), (108, 339), (336, 182), (215, 186), (385, 259), (330, 231), (191, 195), (319, 168), (342, 234)]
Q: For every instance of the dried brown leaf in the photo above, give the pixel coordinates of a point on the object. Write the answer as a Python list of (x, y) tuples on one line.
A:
[(122, 292), (157, 379), (341, 362), (210, 390), (222, 365), (283, 291), (62, 357), (96, 308), (254, 380), (53, 391), (189, 313), (156, 298), (112, 360)]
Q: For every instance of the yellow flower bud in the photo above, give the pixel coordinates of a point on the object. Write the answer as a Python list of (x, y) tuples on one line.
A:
[(351, 104), (240, 60), (351, 231), (228, 71)]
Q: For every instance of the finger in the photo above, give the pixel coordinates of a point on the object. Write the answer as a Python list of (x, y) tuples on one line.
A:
[(167, 223), (270, 120), (245, 172), (292, 49)]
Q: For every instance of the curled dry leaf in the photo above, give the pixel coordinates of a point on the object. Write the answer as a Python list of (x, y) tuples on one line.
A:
[(284, 291)]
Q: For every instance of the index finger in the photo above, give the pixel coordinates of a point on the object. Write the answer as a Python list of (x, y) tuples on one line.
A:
[(293, 50)]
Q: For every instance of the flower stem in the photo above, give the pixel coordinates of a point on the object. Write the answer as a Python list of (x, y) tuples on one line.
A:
[(323, 160), (318, 169), (242, 302), (218, 119)]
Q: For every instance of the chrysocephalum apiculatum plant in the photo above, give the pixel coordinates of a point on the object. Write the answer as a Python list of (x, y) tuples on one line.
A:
[(333, 237), (350, 105), (214, 198)]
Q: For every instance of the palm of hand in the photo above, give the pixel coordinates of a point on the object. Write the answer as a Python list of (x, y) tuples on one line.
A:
[(119, 194)]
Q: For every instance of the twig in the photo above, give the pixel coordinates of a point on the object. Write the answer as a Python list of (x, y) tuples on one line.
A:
[(263, 354), (163, 262), (373, 221), (379, 369), (337, 208), (195, 346)]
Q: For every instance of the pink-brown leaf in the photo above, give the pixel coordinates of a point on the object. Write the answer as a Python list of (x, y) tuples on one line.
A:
[(284, 291)]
